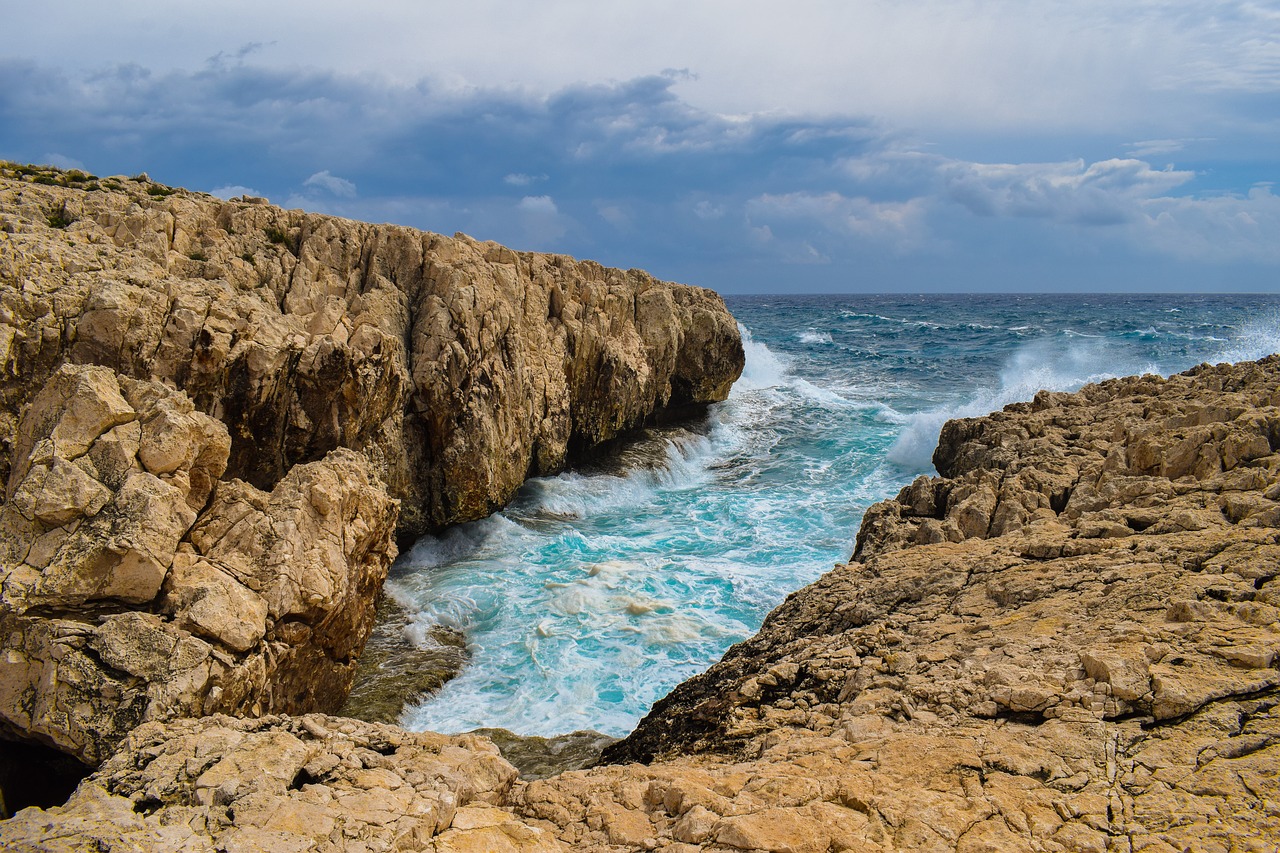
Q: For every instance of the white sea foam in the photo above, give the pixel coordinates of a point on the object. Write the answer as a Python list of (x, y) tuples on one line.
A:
[(1045, 363), (594, 594), (1255, 339), (812, 336), (763, 369)]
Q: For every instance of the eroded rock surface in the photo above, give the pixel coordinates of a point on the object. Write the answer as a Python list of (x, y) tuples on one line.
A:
[(136, 586), (1054, 684), (216, 417), (312, 783), (1070, 641), (458, 368)]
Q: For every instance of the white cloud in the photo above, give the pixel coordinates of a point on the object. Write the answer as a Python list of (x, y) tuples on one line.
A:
[(615, 215), (898, 225), (1217, 229), (340, 187), (1154, 147), (63, 162), (931, 63), (234, 191), (707, 210), (540, 222), (541, 205), (1103, 193), (517, 179)]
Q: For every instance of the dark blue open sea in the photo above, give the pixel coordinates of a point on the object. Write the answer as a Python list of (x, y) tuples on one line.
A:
[(597, 591)]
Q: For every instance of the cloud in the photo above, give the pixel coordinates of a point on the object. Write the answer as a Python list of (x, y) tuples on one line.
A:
[(643, 176), (234, 191), (899, 226), (62, 161), (1107, 192), (1011, 64), (1157, 147), (614, 214), (519, 179), (1221, 229), (538, 205), (541, 222), (331, 183)]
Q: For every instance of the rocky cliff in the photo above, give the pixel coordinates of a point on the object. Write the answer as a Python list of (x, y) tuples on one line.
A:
[(458, 368), (216, 417), (1068, 642)]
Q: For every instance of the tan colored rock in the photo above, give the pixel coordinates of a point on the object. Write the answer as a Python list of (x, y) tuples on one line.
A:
[(166, 340), (1097, 646), (459, 368), (1066, 642), (91, 529), (310, 784)]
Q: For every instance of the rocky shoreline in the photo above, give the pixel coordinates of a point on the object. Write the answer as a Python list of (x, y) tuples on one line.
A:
[(217, 418), (1068, 641)]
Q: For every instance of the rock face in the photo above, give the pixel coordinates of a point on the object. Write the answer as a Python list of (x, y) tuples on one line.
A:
[(457, 368), (1091, 668), (215, 418), (134, 590)]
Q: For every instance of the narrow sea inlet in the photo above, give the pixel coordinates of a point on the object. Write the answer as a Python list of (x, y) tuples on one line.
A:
[(597, 591)]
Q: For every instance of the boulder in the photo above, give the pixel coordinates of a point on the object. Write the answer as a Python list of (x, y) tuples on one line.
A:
[(134, 585)]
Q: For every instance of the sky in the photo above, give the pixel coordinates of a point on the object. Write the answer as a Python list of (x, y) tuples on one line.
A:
[(747, 146)]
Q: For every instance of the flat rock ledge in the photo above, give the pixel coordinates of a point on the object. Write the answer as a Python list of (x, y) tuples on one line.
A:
[(1067, 643), (286, 785)]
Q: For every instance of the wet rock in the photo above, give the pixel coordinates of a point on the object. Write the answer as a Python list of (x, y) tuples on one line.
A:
[(396, 671), (541, 757)]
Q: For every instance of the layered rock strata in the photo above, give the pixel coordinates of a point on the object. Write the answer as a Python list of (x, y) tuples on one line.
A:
[(216, 417), (1091, 668)]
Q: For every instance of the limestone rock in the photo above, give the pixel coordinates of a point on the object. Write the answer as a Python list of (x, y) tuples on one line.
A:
[(312, 783), (1041, 688), (210, 410), (1080, 609), (132, 591), (458, 368)]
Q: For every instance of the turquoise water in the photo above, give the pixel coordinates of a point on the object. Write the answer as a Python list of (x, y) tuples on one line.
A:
[(597, 591)]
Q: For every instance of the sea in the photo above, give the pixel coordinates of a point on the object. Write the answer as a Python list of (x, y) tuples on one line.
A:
[(597, 591)]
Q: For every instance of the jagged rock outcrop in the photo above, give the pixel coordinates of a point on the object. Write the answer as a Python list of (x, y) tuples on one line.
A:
[(215, 418), (133, 590), (1096, 672), (458, 368)]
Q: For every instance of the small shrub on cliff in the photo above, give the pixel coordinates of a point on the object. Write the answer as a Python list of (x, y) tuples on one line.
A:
[(198, 255), (276, 235), (59, 218)]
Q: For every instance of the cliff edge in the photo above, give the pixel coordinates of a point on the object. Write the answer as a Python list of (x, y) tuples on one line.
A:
[(217, 418)]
